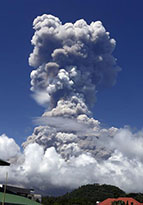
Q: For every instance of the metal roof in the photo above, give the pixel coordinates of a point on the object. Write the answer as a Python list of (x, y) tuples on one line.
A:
[(4, 163), (19, 190), (17, 200)]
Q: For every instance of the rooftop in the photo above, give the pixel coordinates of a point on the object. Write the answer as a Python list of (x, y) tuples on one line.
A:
[(19, 200), (4, 163), (125, 199)]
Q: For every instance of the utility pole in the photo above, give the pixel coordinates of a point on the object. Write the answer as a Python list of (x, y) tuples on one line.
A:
[(5, 188)]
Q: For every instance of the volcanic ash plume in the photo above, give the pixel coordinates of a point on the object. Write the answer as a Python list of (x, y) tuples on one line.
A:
[(72, 61), (69, 148)]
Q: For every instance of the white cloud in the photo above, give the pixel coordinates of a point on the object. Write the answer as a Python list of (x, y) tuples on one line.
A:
[(42, 98), (8, 147), (43, 169), (129, 144)]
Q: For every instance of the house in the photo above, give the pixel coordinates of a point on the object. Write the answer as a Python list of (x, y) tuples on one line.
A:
[(12, 199), (127, 200), (10, 195), (21, 192), (17, 190)]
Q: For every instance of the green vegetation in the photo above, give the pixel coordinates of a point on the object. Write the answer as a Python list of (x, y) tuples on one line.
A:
[(89, 194), (136, 196), (86, 195)]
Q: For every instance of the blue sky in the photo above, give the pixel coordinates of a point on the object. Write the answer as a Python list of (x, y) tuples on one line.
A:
[(118, 106)]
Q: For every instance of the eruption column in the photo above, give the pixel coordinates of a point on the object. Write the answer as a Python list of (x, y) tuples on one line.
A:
[(72, 61)]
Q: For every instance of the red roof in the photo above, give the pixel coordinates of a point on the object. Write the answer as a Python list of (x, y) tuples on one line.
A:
[(125, 199)]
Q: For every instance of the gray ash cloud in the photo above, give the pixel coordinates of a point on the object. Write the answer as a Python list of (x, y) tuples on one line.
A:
[(72, 61)]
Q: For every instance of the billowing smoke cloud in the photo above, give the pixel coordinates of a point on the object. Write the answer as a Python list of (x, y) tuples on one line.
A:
[(69, 148), (72, 61)]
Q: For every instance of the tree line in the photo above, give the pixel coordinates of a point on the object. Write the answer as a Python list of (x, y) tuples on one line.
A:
[(89, 195)]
